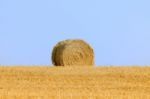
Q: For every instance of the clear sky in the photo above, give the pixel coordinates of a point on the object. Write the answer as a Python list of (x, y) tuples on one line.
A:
[(118, 30)]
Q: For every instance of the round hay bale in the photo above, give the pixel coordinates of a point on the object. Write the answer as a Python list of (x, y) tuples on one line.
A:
[(73, 52)]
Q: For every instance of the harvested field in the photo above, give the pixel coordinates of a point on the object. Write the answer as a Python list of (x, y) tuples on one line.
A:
[(74, 82)]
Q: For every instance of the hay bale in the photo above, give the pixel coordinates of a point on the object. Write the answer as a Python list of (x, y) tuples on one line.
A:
[(73, 52)]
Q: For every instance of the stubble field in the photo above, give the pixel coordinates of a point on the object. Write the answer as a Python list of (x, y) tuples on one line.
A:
[(20, 82)]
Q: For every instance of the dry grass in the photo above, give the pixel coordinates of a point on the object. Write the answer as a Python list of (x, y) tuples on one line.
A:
[(73, 53), (74, 83)]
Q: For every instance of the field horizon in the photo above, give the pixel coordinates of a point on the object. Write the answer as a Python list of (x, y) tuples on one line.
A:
[(51, 82)]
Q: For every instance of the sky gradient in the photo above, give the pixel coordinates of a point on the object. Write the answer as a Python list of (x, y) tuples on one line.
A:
[(118, 30)]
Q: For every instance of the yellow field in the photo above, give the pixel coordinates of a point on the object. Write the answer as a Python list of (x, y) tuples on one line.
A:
[(74, 83)]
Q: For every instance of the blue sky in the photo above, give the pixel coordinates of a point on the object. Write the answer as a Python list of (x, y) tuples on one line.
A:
[(118, 30)]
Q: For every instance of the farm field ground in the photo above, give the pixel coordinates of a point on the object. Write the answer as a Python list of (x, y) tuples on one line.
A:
[(39, 82)]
